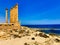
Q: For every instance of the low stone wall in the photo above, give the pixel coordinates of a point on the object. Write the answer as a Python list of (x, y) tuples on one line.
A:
[(8, 26)]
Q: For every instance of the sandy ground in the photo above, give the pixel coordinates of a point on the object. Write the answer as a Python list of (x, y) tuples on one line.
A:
[(27, 39), (39, 39)]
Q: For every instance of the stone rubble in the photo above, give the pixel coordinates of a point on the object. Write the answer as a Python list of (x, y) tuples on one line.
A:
[(32, 36)]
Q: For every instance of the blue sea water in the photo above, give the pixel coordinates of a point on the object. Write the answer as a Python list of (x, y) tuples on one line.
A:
[(52, 28), (43, 26)]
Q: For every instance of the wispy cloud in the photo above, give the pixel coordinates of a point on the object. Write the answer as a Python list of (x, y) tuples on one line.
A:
[(45, 21)]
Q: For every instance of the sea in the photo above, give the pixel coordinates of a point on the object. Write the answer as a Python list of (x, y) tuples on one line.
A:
[(54, 28)]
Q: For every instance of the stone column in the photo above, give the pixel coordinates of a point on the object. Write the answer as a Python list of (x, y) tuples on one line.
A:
[(6, 15)]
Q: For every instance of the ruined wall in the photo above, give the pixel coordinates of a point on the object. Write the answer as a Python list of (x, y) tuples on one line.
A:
[(9, 27), (14, 24), (14, 14)]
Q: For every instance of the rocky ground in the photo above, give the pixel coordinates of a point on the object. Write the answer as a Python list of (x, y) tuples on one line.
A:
[(27, 36)]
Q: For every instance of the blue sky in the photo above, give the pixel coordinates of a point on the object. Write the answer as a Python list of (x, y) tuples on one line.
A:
[(33, 11)]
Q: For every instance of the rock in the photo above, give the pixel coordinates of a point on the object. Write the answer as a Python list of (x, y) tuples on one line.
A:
[(33, 38), (25, 44), (43, 35), (52, 34), (57, 40), (2, 33)]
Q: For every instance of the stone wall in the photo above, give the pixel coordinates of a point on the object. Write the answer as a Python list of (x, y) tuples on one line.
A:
[(9, 27), (14, 14)]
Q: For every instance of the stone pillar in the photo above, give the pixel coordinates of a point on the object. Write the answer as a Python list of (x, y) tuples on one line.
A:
[(6, 15), (14, 14)]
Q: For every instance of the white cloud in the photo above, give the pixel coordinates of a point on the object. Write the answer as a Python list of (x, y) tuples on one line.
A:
[(45, 21)]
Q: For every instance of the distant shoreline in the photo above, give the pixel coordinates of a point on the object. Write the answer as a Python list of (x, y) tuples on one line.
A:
[(46, 30), (43, 26)]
